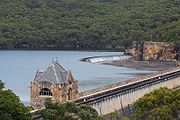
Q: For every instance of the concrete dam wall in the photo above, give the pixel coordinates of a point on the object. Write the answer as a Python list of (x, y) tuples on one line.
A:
[(122, 100), (113, 98)]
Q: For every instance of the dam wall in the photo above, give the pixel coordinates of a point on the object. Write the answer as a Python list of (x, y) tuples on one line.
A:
[(121, 83), (126, 98)]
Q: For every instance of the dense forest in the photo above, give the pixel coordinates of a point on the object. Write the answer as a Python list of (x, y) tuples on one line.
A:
[(86, 24)]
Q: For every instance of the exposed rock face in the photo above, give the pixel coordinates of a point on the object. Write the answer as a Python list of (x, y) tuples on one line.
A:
[(162, 51), (135, 50), (54, 83), (152, 51)]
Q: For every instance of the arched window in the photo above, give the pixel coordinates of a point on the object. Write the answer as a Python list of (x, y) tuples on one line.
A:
[(46, 91)]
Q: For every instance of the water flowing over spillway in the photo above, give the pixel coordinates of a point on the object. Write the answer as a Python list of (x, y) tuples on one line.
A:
[(106, 59)]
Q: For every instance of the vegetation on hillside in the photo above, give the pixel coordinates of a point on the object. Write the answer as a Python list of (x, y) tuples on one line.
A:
[(11, 108), (75, 24)]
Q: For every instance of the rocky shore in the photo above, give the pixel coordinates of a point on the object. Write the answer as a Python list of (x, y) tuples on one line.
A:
[(148, 65)]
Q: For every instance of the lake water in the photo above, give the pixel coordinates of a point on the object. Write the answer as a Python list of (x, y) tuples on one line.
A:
[(17, 69)]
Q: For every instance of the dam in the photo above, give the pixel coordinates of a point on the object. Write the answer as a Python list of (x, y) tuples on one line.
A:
[(117, 96), (124, 94)]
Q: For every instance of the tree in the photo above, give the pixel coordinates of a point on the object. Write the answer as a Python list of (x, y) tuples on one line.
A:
[(68, 111), (161, 104), (1, 85), (11, 108)]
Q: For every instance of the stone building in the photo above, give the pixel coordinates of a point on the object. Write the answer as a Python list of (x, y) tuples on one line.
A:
[(54, 83)]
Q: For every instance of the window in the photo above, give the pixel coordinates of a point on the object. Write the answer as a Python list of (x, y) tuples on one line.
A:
[(70, 94), (45, 91)]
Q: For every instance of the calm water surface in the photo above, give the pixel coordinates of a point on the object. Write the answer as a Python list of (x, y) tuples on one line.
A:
[(17, 69)]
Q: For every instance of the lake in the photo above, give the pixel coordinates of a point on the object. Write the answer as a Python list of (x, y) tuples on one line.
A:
[(18, 68)]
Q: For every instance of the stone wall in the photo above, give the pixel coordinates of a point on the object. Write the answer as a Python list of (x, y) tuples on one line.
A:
[(60, 92), (37, 100)]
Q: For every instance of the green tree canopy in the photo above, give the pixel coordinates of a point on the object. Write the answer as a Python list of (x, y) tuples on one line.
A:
[(68, 111), (11, 108), (161, 104), (1, 85)]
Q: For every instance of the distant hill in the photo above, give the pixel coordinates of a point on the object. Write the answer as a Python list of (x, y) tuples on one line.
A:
[(82, 24)]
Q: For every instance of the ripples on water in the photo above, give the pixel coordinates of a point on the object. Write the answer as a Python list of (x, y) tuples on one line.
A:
[(17, 69)]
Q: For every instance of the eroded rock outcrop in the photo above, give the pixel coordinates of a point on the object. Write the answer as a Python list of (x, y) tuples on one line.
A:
[(153, 51)]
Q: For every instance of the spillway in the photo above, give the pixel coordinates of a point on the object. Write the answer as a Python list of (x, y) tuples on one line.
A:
[(106, 59)]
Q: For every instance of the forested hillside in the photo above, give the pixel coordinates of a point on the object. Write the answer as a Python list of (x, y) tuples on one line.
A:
[(82, 24)]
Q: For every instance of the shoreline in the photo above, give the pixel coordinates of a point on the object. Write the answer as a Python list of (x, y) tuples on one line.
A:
[(63, 49), (130, 62), (146, 65)]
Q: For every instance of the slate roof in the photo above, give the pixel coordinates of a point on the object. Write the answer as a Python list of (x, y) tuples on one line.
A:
[(55, 73)]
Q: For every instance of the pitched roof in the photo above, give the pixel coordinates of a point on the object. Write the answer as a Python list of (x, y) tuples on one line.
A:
[(55, 73)]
